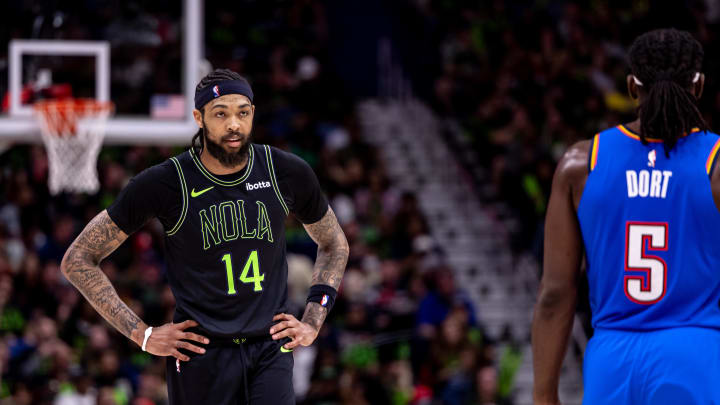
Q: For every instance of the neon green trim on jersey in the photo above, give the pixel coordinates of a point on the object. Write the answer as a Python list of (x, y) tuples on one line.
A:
[(183, 188), (284, 350), (206, 173), (271, 169)]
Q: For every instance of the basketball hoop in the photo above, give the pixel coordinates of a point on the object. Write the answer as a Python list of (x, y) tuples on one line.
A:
[(72, 130)]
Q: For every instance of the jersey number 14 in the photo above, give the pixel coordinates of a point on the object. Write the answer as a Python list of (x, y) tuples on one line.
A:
[(251, 266), (650, 287)]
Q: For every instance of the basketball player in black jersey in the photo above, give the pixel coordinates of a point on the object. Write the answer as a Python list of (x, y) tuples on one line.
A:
[(223, 205)]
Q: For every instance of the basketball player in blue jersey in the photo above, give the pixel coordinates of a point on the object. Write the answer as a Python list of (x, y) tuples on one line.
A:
[(223, 205), (643, 201)]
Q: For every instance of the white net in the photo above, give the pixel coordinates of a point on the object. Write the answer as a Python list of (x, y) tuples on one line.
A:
[(72, 131)]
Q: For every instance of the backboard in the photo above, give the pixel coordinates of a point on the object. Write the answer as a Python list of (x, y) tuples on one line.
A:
[(105, 58)]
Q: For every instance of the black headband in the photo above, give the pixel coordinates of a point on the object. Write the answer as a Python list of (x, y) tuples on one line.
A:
[(222, 88)]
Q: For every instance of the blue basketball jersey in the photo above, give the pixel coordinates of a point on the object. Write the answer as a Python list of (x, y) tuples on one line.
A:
[(651, 232)]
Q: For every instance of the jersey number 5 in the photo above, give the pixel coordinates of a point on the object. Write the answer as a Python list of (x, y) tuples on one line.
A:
[(250, 266), (650, 287)]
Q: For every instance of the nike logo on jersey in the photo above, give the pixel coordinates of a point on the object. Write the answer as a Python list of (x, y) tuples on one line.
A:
[(284, 350), (653, 183), (260, 184), (194, 193)]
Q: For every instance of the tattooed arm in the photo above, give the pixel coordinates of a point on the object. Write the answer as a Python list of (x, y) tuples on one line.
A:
[(329, 268), (330, 264), (81, 266)]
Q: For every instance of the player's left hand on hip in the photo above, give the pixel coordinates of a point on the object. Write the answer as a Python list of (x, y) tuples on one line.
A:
[(301, 333)]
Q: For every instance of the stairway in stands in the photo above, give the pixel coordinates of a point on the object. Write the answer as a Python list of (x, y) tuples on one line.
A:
[(502, 286)]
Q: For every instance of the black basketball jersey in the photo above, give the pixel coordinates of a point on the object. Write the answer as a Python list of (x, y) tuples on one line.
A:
[(226, 254), (225, 249)]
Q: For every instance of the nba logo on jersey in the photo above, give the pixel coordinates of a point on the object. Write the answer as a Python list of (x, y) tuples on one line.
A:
[(324, 300), (651, 158), (177, 364), (216, 91)]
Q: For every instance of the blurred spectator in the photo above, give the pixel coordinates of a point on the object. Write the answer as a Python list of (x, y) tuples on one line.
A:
[(81, 392), (486, 388), (440, 301)]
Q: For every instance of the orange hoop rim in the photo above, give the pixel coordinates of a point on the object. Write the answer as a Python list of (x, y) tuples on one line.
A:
[(76, 105), (60, 116)]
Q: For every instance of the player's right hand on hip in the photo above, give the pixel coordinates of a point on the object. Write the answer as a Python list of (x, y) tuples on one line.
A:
[(165, 340)]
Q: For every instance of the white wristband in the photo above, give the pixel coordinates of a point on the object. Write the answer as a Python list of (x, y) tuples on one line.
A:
[(148, 332)]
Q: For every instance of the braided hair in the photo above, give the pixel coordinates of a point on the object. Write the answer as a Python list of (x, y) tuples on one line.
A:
[(216, 75), (666, 62)]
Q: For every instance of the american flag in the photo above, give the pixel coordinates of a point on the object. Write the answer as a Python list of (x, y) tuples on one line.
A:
[(167, 106)]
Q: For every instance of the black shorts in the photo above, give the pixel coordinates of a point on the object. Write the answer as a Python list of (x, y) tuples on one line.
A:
[(242, 372)]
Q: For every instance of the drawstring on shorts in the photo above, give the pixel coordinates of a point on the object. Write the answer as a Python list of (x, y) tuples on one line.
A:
[(246, 363)]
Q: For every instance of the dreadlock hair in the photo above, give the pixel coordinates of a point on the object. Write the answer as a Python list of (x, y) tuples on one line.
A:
[(666, 62), (216, 75)]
